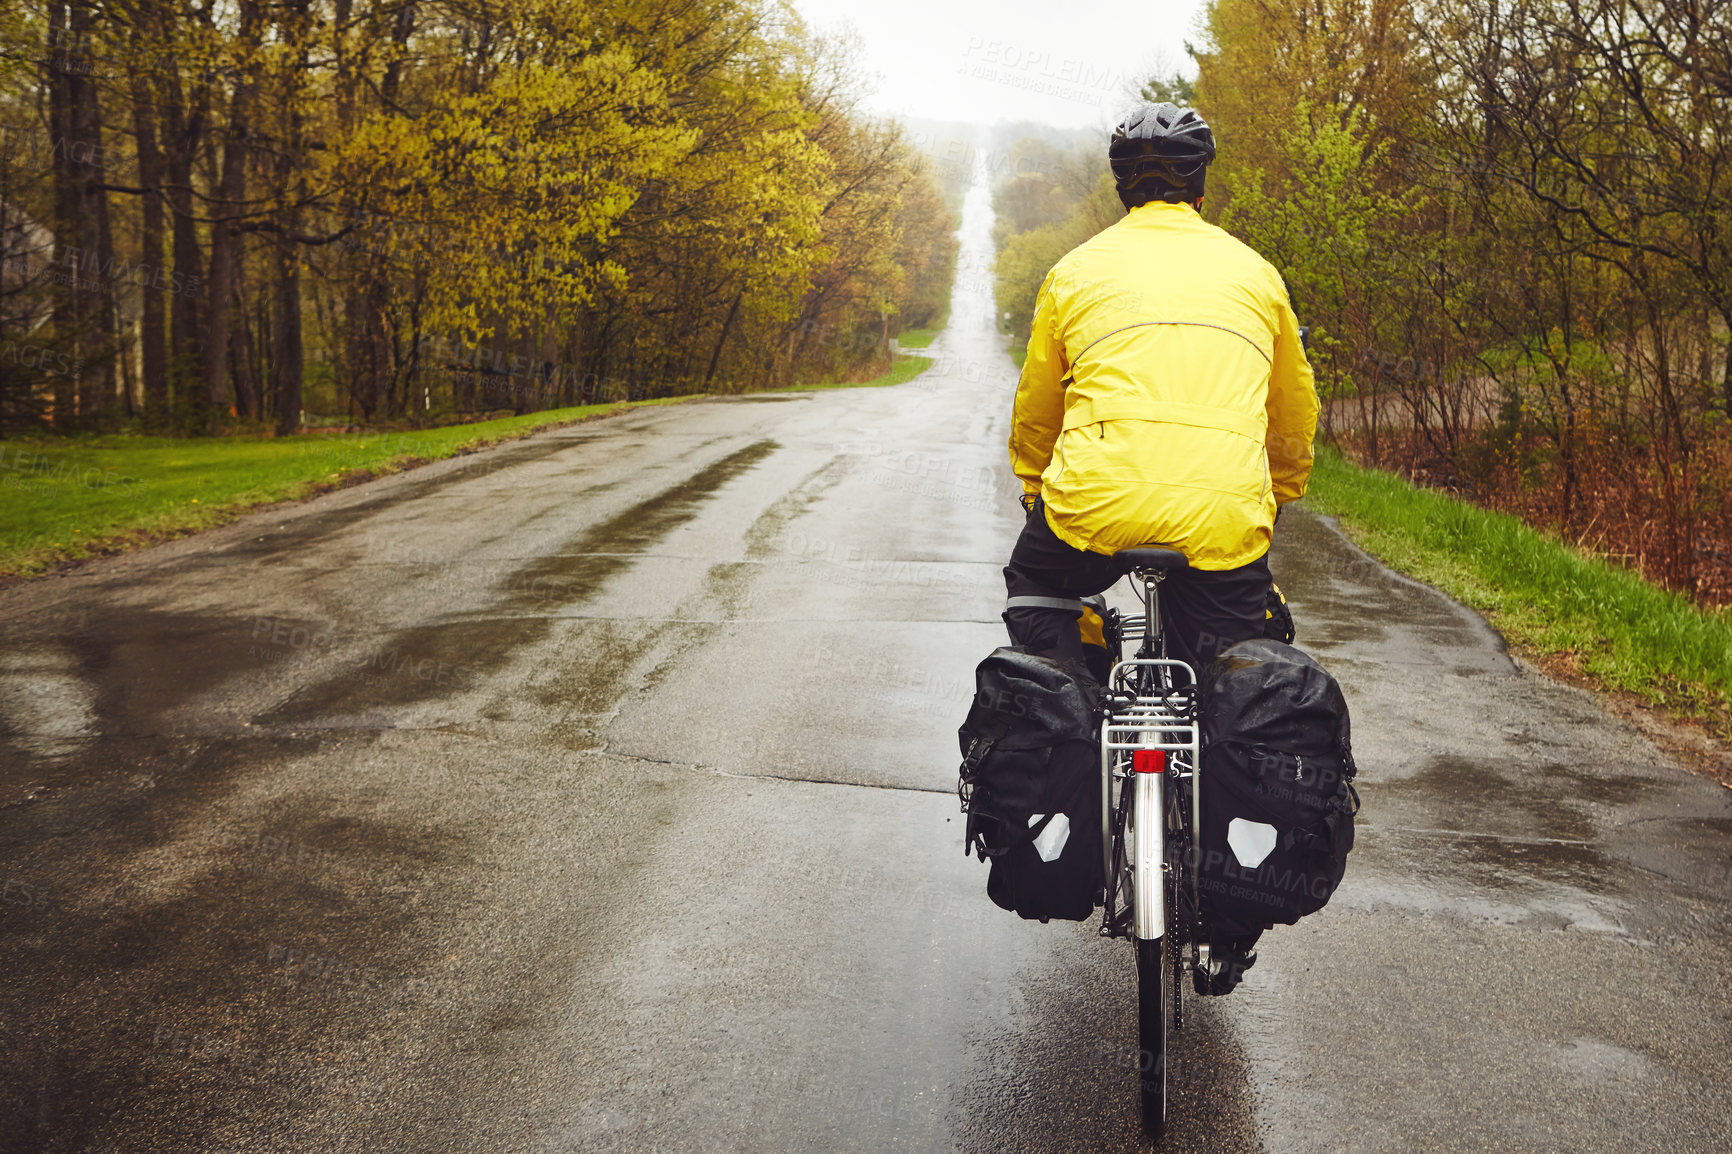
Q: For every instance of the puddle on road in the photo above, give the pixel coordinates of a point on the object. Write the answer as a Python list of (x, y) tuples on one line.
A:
[(1498, 868), (428, 662), (1344, 600), (122, 672), (579, 570), (1548, 801), (1509, 843), (145, 663)]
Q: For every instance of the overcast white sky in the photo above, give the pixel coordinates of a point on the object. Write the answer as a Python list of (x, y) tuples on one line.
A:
[(1069, 63)]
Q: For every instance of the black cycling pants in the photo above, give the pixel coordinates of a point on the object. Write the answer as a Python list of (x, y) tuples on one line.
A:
[(1203, 611)]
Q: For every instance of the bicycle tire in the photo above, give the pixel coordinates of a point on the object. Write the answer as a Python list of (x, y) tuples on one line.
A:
[(1154, 987)]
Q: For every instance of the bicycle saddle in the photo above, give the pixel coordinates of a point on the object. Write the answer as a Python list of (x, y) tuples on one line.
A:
[(1150, 558)]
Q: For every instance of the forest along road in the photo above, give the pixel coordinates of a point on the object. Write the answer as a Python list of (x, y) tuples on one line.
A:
[(595, 793)]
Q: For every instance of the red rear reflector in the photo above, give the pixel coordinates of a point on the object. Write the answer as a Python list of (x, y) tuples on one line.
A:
[(1149, 760)]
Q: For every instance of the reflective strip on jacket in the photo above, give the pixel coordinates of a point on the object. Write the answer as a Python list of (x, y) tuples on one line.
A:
[(1165, 399)]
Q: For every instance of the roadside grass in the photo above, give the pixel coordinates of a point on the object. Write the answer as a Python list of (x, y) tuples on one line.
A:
[(917, 338), (905, 369), (1589, 618), (1018, 353), (68, 498)]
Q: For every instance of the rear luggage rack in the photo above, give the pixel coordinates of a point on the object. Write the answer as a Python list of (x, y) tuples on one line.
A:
[(1167, 722)]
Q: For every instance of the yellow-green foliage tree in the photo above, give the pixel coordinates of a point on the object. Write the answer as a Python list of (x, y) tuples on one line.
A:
[(379, 211)]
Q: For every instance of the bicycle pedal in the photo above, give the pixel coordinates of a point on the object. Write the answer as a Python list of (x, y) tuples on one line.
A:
[(1219, 976)]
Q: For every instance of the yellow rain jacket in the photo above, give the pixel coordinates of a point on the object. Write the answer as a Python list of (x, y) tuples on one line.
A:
[(1165, 399)]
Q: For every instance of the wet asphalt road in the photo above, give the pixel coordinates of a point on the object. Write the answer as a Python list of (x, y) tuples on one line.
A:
[(594, 793)]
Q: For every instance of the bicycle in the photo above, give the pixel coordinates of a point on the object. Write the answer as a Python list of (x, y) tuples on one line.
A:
[(1150, 759)]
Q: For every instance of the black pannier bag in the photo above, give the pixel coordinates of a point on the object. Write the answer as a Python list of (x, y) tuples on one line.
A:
[(1277, 789), (1030, 784)]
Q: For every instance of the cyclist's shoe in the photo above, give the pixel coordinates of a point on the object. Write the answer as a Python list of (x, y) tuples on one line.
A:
[(1225, 970)]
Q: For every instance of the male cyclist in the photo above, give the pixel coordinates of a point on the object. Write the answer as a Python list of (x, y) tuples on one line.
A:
[(1166, 400)]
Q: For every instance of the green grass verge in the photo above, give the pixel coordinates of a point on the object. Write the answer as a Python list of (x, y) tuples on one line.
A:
[(916, 338), (64, 499), (1599, 620), (1018, 353), (905, 369)]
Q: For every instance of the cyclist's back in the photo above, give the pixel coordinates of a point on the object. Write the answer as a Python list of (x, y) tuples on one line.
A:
[(1169, 322)]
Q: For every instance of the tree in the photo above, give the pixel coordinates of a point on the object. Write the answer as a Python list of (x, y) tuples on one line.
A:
[(415, 211)]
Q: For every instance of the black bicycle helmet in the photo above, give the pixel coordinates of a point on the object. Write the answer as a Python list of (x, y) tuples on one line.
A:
[(1160, 152)]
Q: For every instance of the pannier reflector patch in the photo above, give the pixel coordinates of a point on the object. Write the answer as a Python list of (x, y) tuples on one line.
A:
[(1251, 841), (1051, 841)]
